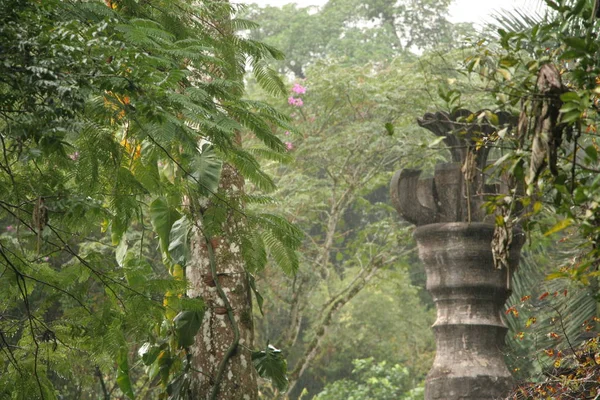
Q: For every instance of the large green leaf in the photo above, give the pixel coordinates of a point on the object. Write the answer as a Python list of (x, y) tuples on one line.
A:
[(123, 380), (150, 352), (178, 240), (271, 364), (207, 169), (187, 324), (163, 217)]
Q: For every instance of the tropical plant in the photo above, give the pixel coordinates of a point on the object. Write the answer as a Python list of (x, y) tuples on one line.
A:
[(545, 70), (371, 380), (116, 119)]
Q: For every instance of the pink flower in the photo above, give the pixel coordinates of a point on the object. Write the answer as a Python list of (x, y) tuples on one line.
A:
[(46, 258), (298, 89), (74, 156), (292, 101), (287, 133), (10, 228), (289, 146)]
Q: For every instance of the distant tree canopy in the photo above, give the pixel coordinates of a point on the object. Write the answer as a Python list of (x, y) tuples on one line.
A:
[(355, 32)]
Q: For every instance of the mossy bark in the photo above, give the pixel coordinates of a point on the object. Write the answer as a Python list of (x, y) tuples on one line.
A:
[(226, 335)]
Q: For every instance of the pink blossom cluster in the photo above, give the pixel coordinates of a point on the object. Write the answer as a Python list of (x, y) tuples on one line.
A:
[(292, 101), (298, 89)]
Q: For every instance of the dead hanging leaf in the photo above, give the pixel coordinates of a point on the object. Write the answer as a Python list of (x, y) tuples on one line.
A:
[(501, 241), (523, 124), (469, 170), (547, 135), (469, 167)]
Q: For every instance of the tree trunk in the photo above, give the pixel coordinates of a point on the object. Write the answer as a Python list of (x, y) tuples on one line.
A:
[(221, 353)]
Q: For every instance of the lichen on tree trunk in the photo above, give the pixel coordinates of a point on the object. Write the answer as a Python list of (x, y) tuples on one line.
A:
[(216, 340)]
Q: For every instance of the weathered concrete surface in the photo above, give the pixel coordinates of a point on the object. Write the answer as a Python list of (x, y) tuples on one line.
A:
[(469, 294), (454, 237)]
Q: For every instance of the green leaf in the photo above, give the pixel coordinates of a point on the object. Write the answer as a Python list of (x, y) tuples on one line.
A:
[(570, 116), (436, 141), (207, 170), (121, 252), (271, 364), (578, 7), (559, 226), (592, 153), (149, 353), (572, 54), (556, 275), (553, 5), (123, 380), (389, 127), (576, 43), (165, 360), (443, 95), (187, 324), (504, 73), (569, 96), (178, 241), (162, 218), (259, 298), (508, 62)]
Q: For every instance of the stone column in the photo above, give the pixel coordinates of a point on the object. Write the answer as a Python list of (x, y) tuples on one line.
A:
[(454, 237)]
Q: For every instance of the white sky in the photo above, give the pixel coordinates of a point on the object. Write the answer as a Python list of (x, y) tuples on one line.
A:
[(476, 11), (479, 10)]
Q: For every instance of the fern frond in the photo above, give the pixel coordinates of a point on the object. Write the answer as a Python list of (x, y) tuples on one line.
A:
[(258, 199), (268, 78), (287, 233), (285, 257), (250, 169), (267, 154), (239, 24), (222, 88), (93, 11), (259, 127), (259, 50), (152, 29), (254, 252)]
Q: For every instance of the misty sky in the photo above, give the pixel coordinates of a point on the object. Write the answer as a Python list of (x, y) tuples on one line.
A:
[(461, 10)]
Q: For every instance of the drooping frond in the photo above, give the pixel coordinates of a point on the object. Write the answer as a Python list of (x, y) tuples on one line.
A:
[(250, 168), (243, 24), (268, 78), (267, 154)]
